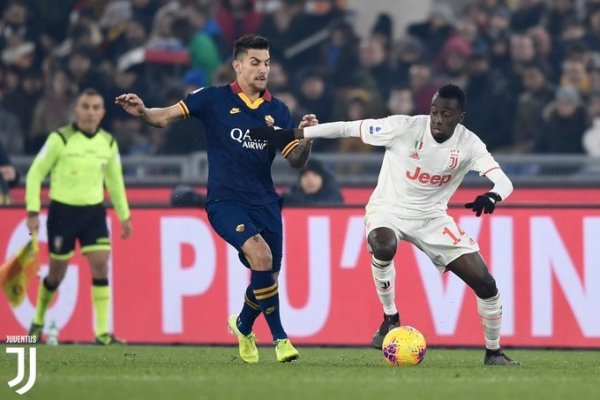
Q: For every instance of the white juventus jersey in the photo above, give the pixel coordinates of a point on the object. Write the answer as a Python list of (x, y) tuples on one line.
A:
[(419, 175)]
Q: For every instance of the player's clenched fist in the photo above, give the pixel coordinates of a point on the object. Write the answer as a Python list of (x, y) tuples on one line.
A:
[(131, 103)]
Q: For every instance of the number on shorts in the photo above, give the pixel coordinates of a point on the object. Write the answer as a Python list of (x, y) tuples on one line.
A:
[(455, 238)]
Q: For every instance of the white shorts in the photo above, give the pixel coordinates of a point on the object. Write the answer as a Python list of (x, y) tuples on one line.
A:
[(440, 238)]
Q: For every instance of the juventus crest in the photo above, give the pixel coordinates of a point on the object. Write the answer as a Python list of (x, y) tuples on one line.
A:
[(453, 160)]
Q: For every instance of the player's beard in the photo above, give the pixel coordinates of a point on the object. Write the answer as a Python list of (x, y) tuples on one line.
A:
[(259, 85)]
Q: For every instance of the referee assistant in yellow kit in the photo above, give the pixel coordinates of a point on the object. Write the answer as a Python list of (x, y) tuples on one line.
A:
[(81, 158)]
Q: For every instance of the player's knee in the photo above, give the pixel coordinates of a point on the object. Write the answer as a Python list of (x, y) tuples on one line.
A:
[(261, 260), (384, 250), (486, 288), (383, 243)]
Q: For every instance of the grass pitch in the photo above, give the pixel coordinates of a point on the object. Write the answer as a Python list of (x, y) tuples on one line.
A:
[(172, 373)]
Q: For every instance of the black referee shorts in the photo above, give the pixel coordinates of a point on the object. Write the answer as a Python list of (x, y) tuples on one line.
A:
[(67, 223)]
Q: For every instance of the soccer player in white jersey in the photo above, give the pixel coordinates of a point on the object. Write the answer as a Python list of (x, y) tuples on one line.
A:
[(426, 158)]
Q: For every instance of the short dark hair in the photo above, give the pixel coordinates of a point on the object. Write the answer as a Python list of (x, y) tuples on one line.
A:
[(451, 91), (90, 92), (251, 41)]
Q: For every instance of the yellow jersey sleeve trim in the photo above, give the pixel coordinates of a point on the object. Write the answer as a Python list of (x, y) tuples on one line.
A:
[(184, 109), (290, 147)]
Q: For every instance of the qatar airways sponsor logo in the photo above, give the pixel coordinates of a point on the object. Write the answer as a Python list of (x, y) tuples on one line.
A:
[(428, 179), (246, 140)]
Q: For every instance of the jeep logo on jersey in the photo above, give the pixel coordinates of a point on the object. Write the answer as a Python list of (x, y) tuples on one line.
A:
[(428, 179), (246, 140)]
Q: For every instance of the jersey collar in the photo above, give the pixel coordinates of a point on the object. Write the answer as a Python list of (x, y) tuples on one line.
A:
[(76, 128), (264, 96)]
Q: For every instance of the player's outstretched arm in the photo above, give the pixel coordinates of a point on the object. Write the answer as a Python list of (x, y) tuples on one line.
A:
[(159, 117), (300, 153)]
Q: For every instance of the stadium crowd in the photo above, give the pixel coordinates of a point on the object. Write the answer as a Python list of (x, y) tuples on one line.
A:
[(530, 68)]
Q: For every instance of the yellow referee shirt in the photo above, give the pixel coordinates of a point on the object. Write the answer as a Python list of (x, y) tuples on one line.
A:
[(79, 165)]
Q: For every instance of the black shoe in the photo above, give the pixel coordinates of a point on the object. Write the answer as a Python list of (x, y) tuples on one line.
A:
[(497, 357), (389, 322), (107, 339), (35, 330)]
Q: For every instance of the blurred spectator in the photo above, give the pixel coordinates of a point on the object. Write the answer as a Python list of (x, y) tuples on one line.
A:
[(52, 110), (144, 11), (84, 32), (134, 36), (561, 12), (487, 108), (383, 30), (14, 29), (564, 125), (539, 92), (162, 36), (545, 50), (21, 100), (591, 138), (237, 18), (499, 22), (528, 14), (340, 51), (408, 52), (452, 61), (574, 74), (593, 29), (500, 57), (224, 75), (316, 187), (203, 51), (82, 71), (277, 27), (422, 86), (436, 30), (20, 57), (314, 96), (8, 176), (375, 65), (308, 31), (290, 100), (11, 135), (128, 133), (278, 77), (401, 101)]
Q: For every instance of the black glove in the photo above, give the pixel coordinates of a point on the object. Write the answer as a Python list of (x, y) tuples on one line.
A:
[(485, 203), (276, 138)]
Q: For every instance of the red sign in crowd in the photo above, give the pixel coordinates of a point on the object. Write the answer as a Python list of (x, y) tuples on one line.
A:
[(176, 281)]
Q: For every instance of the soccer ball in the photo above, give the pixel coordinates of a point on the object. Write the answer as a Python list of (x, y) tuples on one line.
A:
[(404, 345)]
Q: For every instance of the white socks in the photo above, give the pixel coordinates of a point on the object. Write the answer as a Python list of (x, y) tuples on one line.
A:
[(384, 277), (490, 311)]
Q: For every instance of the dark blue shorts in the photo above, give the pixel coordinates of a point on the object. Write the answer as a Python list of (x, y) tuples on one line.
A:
[(236, 223)]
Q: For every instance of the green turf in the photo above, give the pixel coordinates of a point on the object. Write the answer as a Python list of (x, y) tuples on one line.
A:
[(172, 373)]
